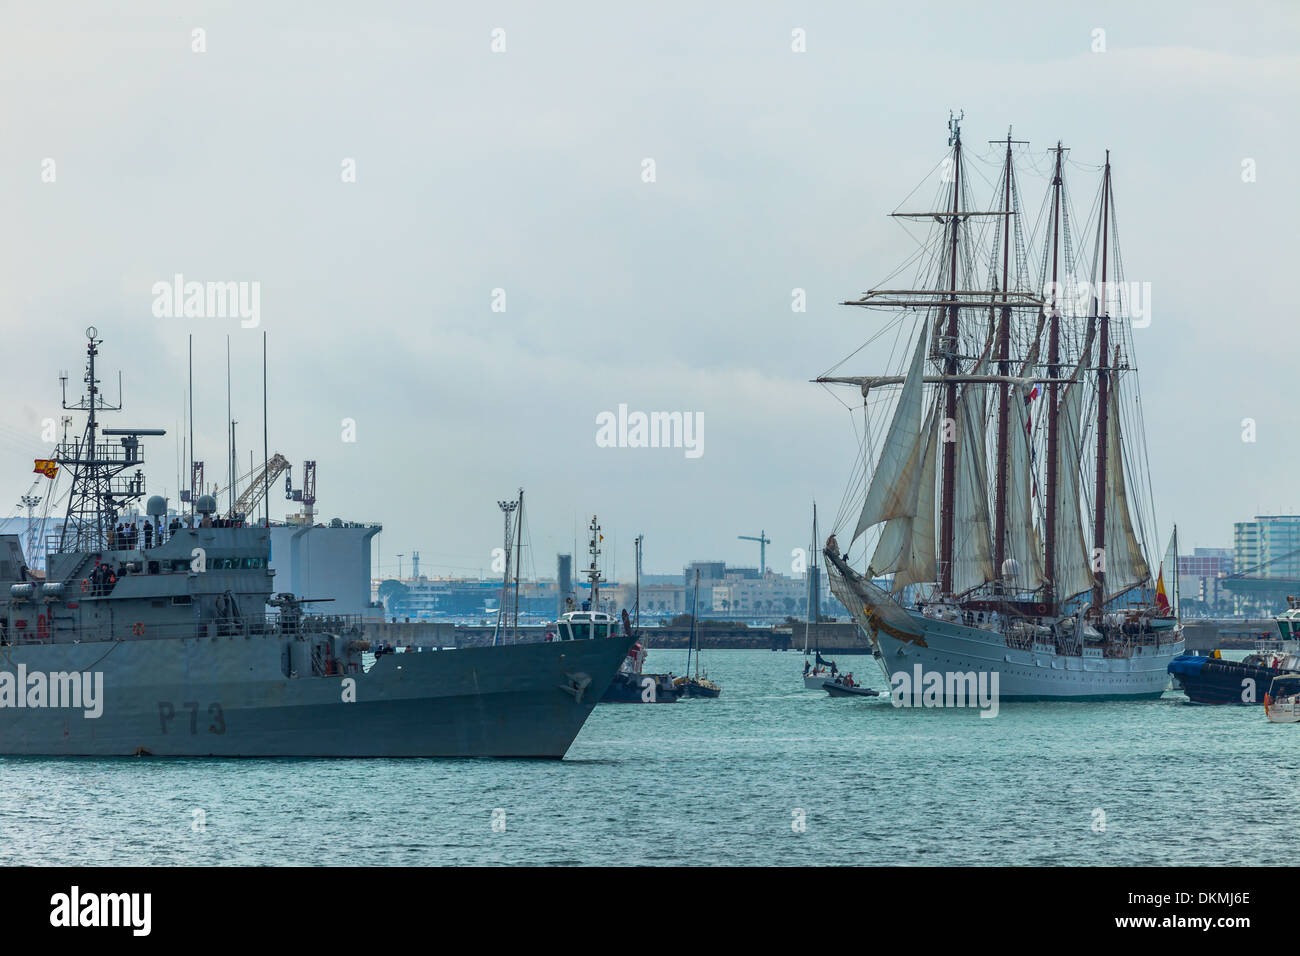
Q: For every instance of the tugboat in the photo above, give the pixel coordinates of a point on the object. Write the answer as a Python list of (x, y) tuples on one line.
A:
[(1282, 702), (1213, 680), (159, 644)]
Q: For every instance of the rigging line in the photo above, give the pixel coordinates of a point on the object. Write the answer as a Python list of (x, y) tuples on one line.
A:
[(877, 334), (923, 181), (922, 247), (987, 182), (855, 479)]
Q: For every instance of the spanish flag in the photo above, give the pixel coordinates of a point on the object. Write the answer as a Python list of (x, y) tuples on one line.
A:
[(1162, 599), (46, 467)]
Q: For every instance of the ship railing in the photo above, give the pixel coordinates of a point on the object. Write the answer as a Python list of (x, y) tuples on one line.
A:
[(36, 631), (120, 453)]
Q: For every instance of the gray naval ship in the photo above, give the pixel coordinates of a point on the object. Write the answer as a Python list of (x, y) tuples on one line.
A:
[(163, 647)]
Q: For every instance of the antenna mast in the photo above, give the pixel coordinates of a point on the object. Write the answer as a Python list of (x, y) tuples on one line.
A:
[(507, 510), (593, 572), (97, 491)]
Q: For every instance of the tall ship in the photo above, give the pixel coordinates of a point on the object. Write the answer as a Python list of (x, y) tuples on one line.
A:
[(159, 643), (1002, 488)]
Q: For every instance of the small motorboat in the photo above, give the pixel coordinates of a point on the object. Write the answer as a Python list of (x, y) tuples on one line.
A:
[(1282, 702), (842, 687)]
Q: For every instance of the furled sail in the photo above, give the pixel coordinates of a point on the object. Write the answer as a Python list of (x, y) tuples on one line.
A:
[(1073, 570), (892, 491), (1022, 541), (972, 552), (1125, 564)]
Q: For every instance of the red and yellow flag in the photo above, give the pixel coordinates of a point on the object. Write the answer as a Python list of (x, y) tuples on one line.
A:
[(1162, 599), (46, 467)]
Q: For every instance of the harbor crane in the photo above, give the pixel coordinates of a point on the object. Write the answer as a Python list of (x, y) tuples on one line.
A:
[(763, 541), (255, 484), (307, 493)]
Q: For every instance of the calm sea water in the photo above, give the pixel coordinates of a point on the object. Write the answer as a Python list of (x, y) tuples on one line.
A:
[(720, 781)]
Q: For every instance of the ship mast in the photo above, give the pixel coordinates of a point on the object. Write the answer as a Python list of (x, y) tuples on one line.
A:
[(948, 348), (1053, 372), (942, 303), (593, 572), (1004, 389), (1103, 410), (97, 490)]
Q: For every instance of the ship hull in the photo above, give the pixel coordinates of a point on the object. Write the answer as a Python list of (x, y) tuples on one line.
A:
[(1027, 675), (1215, 681), (230, 698)]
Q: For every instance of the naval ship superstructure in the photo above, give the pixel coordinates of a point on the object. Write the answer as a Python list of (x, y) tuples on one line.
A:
[(162, 646)]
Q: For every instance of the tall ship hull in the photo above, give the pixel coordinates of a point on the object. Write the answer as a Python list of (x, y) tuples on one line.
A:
[(1029, 674), (229, 697)]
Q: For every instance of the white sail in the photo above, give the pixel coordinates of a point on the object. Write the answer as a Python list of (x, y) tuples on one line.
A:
[(1168, 573), (1125, 563), (972, 557), (1073, 570), (1022, 540), (892, 494), (906, 546), (924, 565)]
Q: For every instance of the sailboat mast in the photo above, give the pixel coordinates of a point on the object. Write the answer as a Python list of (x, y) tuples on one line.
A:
[(695, 610), (1004, 389), (636, 607), (1177, 602), (948, 347), (1103, 409), (519, 547), (1053, 370), (814, 585)]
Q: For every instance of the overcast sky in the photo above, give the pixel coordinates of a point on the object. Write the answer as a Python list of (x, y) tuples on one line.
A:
[(522, 170)]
